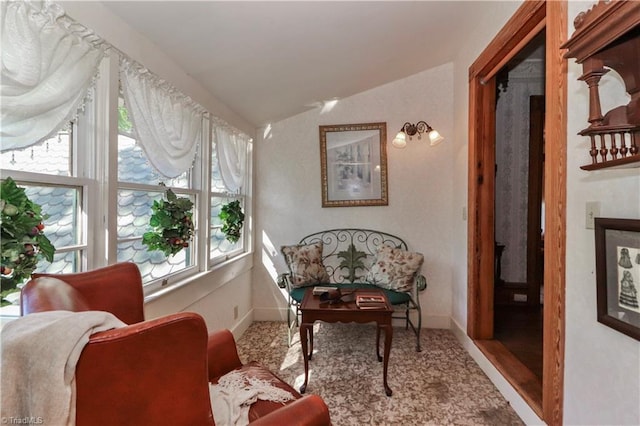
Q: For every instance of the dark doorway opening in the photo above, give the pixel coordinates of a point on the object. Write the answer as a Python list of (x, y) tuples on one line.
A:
[(519, 205)]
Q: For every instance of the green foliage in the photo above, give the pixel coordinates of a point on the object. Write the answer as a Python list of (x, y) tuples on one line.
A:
[(23, 239), (171, 223), (351, 261), (232, 220), (124, 123)]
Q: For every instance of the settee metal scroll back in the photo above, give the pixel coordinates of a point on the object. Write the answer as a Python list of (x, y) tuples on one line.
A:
[(350, 261)]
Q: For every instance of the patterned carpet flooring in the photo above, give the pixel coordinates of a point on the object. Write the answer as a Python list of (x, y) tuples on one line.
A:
[(441, 385)]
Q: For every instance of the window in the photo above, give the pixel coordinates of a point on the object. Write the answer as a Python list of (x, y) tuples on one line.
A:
[(48, 171), (220, 248), (139, 184)]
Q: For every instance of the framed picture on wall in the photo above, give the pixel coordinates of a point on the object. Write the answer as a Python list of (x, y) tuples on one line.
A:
[(618, 274), (353, 162)]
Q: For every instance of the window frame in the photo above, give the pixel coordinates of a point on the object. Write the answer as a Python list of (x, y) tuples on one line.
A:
[(243, 194), (83, 185), (194, 190)]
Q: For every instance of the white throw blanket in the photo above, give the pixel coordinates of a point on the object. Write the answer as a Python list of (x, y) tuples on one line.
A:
[(232, 397), (39, 356)]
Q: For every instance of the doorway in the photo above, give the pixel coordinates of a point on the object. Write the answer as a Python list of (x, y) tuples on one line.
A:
[(544, 397), (519, 205)]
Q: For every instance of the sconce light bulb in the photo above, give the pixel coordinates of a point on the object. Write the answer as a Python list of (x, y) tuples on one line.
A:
[(435, 138), (400, 141)]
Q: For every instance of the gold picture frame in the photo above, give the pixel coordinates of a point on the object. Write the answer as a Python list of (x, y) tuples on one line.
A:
[(353, 161)]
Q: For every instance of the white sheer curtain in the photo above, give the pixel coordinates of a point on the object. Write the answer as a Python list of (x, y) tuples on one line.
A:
[(167, 123), (48, 64), (232, 156)]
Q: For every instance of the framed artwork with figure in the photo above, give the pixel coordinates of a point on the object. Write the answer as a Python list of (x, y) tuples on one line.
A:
[(618, 274)]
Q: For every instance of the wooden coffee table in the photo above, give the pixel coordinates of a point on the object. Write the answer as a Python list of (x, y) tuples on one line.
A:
[(313, 309)]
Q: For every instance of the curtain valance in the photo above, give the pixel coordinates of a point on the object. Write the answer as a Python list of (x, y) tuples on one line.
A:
[(168, 124), (232, 157), (48, 64)]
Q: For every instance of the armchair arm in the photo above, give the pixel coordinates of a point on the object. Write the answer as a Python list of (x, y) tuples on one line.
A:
[(309, 410), (153, 372), (222, 354)]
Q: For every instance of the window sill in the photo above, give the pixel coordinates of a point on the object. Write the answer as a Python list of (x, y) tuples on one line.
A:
[(221, 273)]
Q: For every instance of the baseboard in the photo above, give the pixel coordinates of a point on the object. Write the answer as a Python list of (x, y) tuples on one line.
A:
[(270, 314), (243, 324), (436, 321), (519, 405)]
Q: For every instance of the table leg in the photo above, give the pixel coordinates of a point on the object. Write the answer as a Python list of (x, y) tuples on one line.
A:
[(388, 334), (305, 330), (378, 342), (310, 341)]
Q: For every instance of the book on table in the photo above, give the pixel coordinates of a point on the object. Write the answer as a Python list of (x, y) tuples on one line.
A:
[(370, 301), (318, 290)]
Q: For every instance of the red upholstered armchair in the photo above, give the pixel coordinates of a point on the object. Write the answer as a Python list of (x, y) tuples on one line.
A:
[(157, 371)]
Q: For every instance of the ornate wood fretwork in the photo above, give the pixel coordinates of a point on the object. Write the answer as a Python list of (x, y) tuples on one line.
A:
[(608, 37)]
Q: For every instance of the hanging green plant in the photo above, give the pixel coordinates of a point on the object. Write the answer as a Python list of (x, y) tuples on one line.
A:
[(23, 239), (232, 220), (171, 223)]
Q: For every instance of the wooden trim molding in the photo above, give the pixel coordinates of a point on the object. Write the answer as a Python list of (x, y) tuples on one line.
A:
[(600, 26), (526, 22), (505, 43), (481, 248), (555, 217)]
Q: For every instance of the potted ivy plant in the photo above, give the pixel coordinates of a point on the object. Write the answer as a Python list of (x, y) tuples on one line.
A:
[(232, 219), (23, 241), (171, 224)]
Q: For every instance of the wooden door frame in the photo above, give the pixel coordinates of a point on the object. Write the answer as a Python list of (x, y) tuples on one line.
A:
[(534, 203), (528, 21)]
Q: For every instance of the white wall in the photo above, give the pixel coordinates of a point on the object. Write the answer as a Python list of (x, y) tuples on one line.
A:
[(221, 296), (214, 294), (288, 188), (496, 15), (602, 366)]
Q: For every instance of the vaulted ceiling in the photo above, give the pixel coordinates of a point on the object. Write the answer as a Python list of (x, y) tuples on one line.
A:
[(271, 60)]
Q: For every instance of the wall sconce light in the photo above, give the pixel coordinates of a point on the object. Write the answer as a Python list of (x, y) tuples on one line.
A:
[(400, 141)]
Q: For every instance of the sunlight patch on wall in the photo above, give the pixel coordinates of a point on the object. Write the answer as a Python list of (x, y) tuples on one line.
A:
[(266, 134), (268, 253)]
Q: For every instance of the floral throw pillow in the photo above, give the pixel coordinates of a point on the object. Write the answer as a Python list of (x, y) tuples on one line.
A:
[(305, 264), (394, 268)]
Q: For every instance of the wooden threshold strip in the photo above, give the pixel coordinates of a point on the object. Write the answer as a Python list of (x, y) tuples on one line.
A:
[(517, 374)]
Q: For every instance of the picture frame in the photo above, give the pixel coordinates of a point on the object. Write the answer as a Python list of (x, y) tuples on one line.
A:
[(617, 243), (353, 159)]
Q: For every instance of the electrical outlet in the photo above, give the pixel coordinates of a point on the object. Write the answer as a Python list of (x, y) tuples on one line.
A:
[(235, 312), (592, 210), (464, 213)]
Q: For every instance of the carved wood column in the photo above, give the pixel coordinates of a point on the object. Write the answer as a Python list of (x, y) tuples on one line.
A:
[(608, 36)]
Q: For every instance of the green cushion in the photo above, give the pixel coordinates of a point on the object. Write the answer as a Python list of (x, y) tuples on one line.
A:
[(394, 297)]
